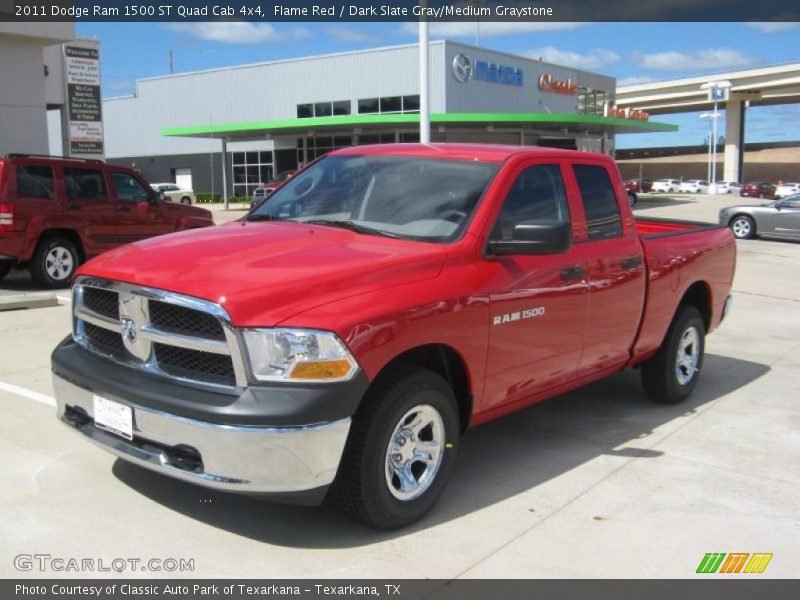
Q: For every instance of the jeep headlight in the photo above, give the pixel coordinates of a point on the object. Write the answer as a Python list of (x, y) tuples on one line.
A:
[(298, 355)]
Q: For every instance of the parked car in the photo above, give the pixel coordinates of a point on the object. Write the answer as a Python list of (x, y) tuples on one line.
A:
[(259, 194), (376, 307), (56, 212), (776, 219), (633, 198), (277, 181), (174, 193), (639, 185), (694, 186), (724, 187), (758, 189), (666, 185), (787, 189)]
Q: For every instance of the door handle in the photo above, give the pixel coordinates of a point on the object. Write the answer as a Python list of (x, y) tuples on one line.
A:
[(123, 209), (74, 206), (631, 263), (573, 273)]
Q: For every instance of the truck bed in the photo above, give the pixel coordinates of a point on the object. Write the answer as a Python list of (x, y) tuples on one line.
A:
[(678, 253)]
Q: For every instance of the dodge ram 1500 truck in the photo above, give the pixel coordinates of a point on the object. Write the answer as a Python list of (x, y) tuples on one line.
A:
[(345, 333)]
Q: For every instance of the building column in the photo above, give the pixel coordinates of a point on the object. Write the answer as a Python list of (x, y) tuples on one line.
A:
[(734, 139), (225, 172)]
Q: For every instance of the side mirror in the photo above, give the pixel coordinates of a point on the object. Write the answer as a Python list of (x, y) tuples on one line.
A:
[(542, 236)]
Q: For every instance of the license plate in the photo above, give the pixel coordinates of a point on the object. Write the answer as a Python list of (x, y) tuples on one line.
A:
[(113, 417)]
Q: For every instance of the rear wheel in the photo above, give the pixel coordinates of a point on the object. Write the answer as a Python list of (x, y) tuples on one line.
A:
[(54, 262), (743, 227), (186, 200), (672, 374), (400, 450)]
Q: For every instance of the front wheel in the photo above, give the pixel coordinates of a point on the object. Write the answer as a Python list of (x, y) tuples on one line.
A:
[(54, 262), (671, 375), (743, 227), (400, 450), (186, 200)]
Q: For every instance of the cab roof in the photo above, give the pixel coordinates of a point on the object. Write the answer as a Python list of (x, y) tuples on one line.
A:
[(483, 152)]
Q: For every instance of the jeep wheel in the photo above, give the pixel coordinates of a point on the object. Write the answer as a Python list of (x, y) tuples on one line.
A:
[(671, 375), (54, 262), (400, 450)]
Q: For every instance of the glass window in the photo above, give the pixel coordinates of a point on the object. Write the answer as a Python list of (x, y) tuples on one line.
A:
[(239, 175), (342, 141), (323, 109), (369, 138), (265, 156), (391, 104), (422, 199), (85, 184), (368, 106), (599, 201), (409, 138), (35, 181), (129, 189), (411, 103), (238, 158), (251, 158), (341, 108), (538, 193), (305, 111)]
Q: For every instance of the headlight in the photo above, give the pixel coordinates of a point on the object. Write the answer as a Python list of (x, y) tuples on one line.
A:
[(298, 355)]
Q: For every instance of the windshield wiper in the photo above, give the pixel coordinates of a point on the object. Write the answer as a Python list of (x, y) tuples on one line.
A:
[(352, 227)]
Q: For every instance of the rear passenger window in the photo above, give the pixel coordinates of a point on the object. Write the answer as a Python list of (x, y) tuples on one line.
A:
[(599, 201), (537, 193), (34, 181), (85, 184)]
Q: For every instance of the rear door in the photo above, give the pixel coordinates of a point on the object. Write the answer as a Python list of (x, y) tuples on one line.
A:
[(87, 198), (615, 261), (538, 303)]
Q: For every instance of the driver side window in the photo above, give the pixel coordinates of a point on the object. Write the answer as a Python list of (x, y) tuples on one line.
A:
[(128, 188), (537, 193)]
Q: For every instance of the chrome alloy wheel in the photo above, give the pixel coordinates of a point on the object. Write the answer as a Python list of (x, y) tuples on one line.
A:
[(688, 356), (59, 263), (415, 452), (741, 227)]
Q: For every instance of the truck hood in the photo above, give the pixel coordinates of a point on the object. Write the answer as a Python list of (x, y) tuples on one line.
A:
[(263, 273)]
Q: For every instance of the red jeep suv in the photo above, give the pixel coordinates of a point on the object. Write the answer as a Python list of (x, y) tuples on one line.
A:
[(57, 212)]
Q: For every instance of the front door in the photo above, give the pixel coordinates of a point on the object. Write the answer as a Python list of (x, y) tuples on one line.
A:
[(137, 218), (538, 303), (785, 219)]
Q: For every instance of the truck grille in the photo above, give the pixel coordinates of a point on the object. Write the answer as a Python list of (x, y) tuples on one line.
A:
[(161, 333)]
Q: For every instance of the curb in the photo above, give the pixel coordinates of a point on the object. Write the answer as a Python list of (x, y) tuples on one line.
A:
[(30, 300)]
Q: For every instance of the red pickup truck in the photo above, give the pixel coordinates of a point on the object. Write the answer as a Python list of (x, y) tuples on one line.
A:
[(345, 333), (55, 213)]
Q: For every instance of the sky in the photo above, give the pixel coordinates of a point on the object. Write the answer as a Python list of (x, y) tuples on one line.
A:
[(631, 52)]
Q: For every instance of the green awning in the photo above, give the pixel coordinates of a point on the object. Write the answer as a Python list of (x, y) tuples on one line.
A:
[(554, 121)]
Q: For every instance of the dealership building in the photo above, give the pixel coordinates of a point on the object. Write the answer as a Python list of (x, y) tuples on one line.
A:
[(264, 118)]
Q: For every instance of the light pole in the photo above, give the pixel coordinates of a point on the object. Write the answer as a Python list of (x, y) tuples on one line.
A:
[(424, 84), (718, 91), (712, 146)]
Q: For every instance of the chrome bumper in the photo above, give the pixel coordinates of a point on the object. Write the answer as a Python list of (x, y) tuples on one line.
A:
[(257, 460)]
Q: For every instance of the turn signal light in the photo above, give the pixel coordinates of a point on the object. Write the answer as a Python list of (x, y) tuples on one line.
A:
[(6, 217), (323, 369)]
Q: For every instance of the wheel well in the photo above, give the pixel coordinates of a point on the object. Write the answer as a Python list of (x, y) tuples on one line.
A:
[(737, 215), (445, 361), (70, 234), (699, 296)]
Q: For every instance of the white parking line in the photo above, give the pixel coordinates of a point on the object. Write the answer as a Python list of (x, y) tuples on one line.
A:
[(30, 394)]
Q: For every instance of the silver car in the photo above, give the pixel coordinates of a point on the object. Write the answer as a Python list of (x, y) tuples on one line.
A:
[(776, 219)]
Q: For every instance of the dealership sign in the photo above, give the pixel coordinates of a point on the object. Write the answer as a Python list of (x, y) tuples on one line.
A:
[(611, 110), (548, 83), (465, 69), (84, 113)]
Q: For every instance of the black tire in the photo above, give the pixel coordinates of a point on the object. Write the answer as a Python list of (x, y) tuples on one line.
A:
[(5, 269), (186, 200), (743, 227), (44, 273), (362, 486), (660, 375), (632, 199)]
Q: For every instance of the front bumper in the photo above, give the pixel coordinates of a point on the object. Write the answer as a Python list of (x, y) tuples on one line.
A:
[(249, 459)]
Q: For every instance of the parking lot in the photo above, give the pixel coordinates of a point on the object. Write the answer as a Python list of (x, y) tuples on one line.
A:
[(596, 483)]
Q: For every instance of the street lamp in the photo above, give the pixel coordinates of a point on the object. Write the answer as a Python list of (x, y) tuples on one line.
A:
[(718, 91), (712, 145)]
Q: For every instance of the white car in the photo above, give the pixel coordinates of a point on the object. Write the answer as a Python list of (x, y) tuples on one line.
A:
[(175, 193), (694, 186), (666, 185), (725, 187), (787, 189)]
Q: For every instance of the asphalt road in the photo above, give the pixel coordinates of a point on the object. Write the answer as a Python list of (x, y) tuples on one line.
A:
[(596, 483)]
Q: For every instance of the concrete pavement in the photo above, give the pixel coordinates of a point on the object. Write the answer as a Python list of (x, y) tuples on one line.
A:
[(595, 483)]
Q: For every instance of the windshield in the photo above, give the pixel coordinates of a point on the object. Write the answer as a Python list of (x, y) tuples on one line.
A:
[(407, 197)]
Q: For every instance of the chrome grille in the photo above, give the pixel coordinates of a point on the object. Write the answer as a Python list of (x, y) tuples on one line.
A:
[(159, 332)]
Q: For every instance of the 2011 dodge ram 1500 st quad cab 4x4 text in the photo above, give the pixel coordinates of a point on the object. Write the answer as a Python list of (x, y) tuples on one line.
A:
[(346, 332)]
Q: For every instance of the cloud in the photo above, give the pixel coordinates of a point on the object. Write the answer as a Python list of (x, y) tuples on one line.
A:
[(634, 80), (239, 32), (488, 29), (772, 26), (593, 59), (340, 33), (700, 60)]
